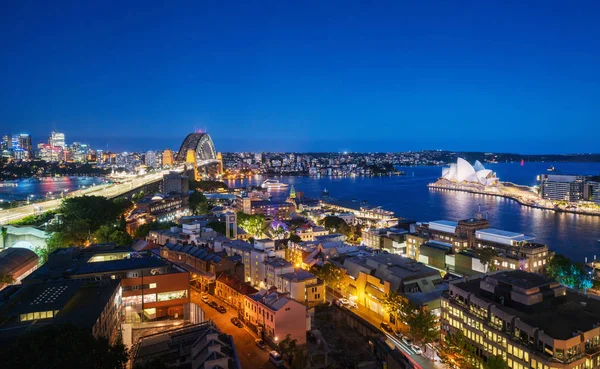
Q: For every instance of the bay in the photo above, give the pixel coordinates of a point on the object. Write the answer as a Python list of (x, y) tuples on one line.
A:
[(573, 235)]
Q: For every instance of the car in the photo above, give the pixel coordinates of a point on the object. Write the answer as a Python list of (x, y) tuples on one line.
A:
[(343, 302), (213, 304), (260, 344), (386, 327), (416, 349), (234, 321), (275, 358), (406, 340), (221, 309), (204, 298), (398, 334), (240, 324), (352, 304)]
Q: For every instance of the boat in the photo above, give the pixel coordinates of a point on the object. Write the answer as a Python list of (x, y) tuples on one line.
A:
[(551, 169), (272, 183)]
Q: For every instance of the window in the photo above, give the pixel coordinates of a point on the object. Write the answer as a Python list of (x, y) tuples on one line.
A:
[(173, 295), (136, 287), (149, 298), (134, 275), (152, 285)]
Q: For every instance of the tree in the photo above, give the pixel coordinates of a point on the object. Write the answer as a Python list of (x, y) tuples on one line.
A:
[(253, 224), (123, 203), (137, 196), (289, 348), (486, 256), (207, 186), (332, 275), (295, 238), (395, 304), (198, 203), (6, 279), (496, 362), (563, 270), (457, 352), (102, 235), (336, 225), (120, 238), (422, 325), (4, 236), (40, 348), (143, 230)]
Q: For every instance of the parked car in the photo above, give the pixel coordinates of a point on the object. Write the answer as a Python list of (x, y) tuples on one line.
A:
[(398, 334), (221, 309), (406, 340), (352, 304), (204, 298), (386, 327), (234, 320), (416, 349), (213, 304), (275, 358), (343, 302), (260, 344), (240, 324)]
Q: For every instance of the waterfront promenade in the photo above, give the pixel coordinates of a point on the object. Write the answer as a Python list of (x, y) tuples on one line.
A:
[(106, 190), (522, 194)]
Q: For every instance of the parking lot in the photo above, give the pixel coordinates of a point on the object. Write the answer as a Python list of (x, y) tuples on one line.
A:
[(249, 354)]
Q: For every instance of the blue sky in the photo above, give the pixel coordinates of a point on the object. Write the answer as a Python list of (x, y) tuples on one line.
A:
[(506, 76)]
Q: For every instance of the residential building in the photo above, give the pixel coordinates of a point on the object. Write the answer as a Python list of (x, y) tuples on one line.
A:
[(175, 183), (392, 240), (232, 290), (161, 207), (90, 304), (274, 267), (274, 315), (253, 257), (371, 278), (531, 321), (310, 233), (278, 210), (302, 286), (197, 346), (196, 233)]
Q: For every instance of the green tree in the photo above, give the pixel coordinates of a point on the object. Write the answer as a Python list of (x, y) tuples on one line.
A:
[(332, 275), (123, 203), (207, 186), (486, 256), (457, 352), (102, 235), (422, 325), (137, 196), (218, 227), (395, 304), (289, 347), (198, 203), (4, 236), (295, 238), (143, 230), (253, 224), (122, 223), (496, 362), (121, 238), (62, 346), (336, 225)]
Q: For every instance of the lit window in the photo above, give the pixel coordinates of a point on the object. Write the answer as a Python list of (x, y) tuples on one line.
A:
[(152, 285)]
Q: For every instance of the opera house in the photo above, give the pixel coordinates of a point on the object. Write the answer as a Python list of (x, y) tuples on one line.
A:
[(463, 172)]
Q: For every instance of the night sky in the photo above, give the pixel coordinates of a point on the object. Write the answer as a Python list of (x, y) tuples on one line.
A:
[(517, 76)]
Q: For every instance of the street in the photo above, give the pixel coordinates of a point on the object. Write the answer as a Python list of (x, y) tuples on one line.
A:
[(249, 354)]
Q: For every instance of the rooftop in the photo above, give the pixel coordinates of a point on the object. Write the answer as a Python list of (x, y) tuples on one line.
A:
[(271, 299), (298, 275), (278, 262)]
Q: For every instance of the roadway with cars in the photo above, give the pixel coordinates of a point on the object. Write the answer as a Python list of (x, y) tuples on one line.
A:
[(109, 191), (250, 355)]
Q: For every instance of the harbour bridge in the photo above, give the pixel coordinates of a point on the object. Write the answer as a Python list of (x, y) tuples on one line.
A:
[(198, 150)]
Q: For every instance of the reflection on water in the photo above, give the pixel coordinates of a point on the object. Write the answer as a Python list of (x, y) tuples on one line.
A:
[(48, 186), (409, 197)]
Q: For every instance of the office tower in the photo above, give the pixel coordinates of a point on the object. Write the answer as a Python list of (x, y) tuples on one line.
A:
[(6, 142), (561, 187), (150, 159), (57, 140)]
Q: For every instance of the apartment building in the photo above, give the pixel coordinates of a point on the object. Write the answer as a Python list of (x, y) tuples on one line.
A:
[(302, 286), (531, 321), (274, 315), (232, 290)]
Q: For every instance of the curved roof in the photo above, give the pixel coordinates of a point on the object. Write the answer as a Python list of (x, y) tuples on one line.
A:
[(201, 143), (16, 261), (462, 171)]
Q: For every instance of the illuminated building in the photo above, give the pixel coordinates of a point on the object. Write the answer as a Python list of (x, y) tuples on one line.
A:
[(462, 171), (232, 290), (167, 158), (17, 262), (529, 320), (572, 188), (302, 286), (150, 159)]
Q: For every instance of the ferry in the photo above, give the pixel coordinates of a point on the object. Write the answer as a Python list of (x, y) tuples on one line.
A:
[(272, 183), (551, 169)]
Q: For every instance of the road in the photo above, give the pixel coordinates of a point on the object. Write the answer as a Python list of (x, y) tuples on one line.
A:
[(249, 354), (419, 361), (112, 190)]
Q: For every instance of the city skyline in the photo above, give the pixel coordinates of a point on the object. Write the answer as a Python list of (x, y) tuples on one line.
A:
[(392, 77)]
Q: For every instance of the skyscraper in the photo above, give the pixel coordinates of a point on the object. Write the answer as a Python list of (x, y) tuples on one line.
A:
[(150, 159), (167, 157), (6, 142)]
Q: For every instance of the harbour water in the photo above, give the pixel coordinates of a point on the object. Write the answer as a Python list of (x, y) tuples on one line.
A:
[(409, 197), (42, 188)]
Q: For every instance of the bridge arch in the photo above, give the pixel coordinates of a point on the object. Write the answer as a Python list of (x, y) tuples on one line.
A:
[(202, 145)]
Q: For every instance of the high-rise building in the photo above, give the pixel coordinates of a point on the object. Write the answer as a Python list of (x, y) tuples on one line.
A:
[(57, 140), (6, 142), (150, 159), (167, 157), (561, 187), (529, 320)]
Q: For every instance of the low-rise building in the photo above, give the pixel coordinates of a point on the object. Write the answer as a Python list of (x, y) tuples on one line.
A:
[(232, 290), (18, 263), (196, 233), (310, 233), (274, 267), (197, 346), (531, 321), (90, 304), (274, 315), (302, 286)]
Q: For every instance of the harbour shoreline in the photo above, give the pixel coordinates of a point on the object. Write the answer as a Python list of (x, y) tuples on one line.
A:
[(459, 188)]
